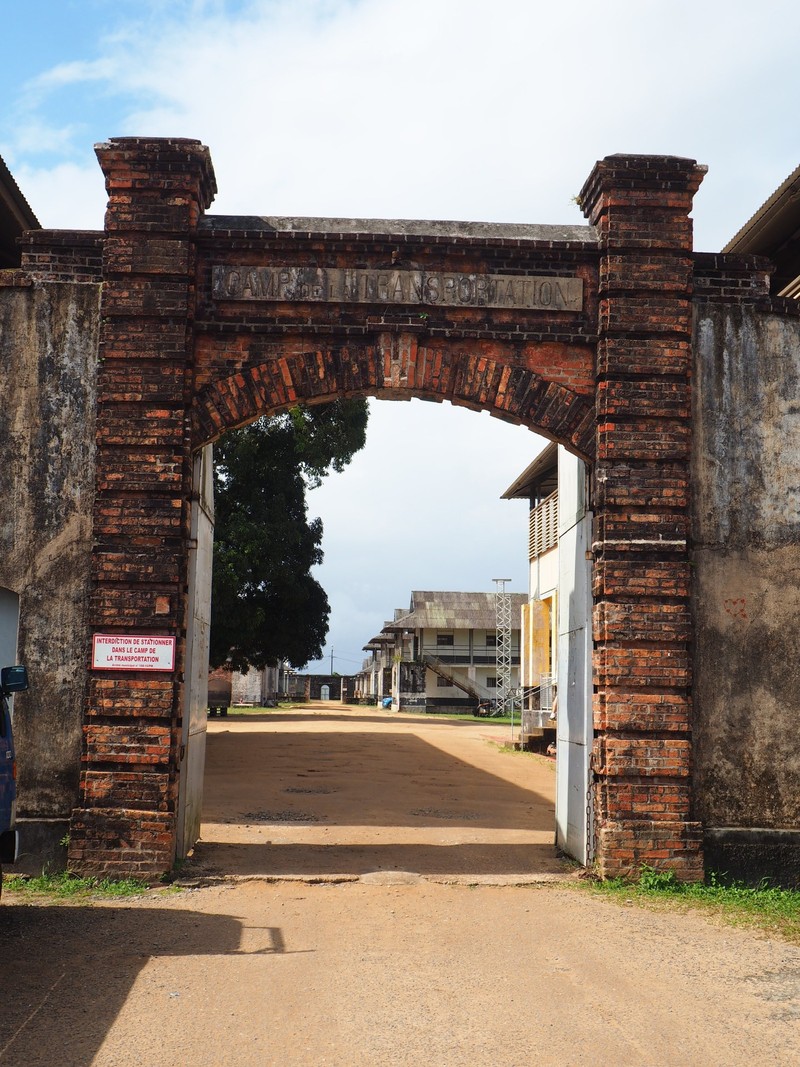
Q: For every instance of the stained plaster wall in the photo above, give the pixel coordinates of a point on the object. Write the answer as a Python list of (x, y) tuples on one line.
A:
[(48, 355), (746, 557)]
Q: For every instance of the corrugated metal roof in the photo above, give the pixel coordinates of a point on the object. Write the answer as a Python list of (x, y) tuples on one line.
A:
[(16, 216), (772, 232), (763, 229), (545, 465), (453, 611)]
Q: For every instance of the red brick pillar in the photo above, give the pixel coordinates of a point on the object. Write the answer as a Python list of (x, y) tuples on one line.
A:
[(642, 714), (158, 189)]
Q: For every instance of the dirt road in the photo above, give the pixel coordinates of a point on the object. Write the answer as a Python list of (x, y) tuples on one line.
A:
[(397, 966), (335, 791)]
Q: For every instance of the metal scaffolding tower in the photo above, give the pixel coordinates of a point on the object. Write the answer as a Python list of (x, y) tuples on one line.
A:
[(503, 623)]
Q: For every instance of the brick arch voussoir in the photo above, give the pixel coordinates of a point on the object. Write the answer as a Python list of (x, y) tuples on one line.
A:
[(519, 395), (397, 371)]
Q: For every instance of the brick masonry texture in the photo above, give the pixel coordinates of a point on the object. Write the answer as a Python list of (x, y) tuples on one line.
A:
[(179, 367), (397, 367), (131, 761), (642, 623), (63, 255)]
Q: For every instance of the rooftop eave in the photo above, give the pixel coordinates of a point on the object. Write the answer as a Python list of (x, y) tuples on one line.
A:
[(521, 487), (16, 217), (776, 219), (14, 202)]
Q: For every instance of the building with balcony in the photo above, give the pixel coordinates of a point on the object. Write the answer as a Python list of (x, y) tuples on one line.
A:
[(440, 654)]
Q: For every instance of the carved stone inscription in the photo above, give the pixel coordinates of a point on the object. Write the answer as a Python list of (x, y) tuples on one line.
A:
[(341, 285)]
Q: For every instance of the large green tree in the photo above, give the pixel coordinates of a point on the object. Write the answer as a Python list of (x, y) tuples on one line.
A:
[(266, 606)]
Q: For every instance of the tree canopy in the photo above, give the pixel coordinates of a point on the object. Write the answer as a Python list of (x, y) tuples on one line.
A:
[(266, 606)]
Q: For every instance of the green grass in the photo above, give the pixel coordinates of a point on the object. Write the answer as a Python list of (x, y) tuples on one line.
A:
[(64, 885), (493, 720), (237, 709), (764, 907)]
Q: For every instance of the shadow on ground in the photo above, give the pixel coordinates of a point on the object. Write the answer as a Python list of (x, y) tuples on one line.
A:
[(460, 861), (361, 779), (382, 719), (67, 971), (328, 802)]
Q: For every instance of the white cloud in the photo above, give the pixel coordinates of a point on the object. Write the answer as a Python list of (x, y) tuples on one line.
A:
[(81, 195), (420, 508), (34, 137), (442, 110), (72, 73), (408, 108), (421, 109)]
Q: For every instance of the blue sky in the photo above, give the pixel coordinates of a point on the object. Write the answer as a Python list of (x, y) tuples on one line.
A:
[(409, 109)]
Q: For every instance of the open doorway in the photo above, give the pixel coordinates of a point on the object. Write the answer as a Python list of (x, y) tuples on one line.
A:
[(419, 507)]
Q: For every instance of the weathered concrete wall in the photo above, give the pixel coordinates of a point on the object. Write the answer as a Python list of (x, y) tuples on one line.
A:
[(746, 531), (254, 686), (48, 355)]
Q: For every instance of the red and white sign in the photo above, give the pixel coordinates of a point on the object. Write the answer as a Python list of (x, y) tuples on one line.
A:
[(117, 652)]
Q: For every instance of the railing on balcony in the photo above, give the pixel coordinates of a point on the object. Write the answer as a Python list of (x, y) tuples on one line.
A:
[(470, 686), (461, 653), (537, 703)]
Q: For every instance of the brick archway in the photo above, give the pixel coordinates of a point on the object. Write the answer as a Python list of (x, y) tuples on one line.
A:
[(397, 367), (582, 333)]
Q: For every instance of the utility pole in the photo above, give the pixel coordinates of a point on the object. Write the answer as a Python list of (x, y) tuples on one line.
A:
[(331, 663)]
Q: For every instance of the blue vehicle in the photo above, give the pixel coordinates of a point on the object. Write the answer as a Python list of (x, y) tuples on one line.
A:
[(12, 680)]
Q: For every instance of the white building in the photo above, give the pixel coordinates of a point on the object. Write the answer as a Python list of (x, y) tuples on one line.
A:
[(556, 629), (440, 655)]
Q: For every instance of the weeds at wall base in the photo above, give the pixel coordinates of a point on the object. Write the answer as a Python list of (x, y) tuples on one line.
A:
[(763, 907), (63, 885)]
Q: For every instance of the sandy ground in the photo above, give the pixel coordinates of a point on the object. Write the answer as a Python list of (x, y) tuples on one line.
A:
[(345, 791), (389, 940)]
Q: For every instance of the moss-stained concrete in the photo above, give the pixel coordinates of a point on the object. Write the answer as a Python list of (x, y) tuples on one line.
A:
[(746, 531), (48, 356)]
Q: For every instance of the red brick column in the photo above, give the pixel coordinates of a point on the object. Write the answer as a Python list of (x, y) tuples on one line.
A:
[(157, 191), (642, 627)]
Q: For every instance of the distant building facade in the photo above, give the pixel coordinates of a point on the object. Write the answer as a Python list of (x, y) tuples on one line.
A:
[(257, 687), (440, 655)]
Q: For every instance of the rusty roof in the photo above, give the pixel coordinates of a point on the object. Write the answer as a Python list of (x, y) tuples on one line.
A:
[(375, 643), (454, 611)]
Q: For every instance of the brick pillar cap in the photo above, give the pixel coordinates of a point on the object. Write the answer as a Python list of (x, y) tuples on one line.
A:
[(173, 155), (638, 173), (155, 142)]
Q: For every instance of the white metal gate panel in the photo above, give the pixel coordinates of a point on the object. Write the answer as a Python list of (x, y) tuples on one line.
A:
[(9, 624), (574, 720), (193, 734)]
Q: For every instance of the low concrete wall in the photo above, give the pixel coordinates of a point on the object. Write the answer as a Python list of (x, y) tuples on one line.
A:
[(746, 556), (48, 355)]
